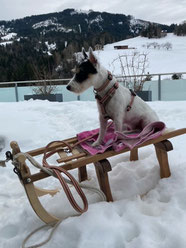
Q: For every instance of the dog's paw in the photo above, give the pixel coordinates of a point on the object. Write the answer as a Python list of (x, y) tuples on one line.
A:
[(96, 143)]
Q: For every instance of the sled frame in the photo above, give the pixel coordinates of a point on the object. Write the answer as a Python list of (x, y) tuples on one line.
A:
[(79, 159)]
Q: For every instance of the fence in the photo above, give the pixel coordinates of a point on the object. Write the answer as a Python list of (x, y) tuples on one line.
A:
[(163, 88)]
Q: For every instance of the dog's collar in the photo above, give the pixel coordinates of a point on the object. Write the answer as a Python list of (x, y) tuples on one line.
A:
[(106, 83), (133, 94)]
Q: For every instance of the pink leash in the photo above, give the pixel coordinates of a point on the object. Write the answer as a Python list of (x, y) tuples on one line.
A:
[(57, 171)]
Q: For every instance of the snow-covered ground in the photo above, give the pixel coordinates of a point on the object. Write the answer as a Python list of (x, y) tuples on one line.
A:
[(156, 219), (160, 60)]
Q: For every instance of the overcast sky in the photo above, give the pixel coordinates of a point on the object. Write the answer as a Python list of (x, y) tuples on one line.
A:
[(160, 11)]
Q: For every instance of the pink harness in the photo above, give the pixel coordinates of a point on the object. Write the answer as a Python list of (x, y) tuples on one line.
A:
[(103, 101)]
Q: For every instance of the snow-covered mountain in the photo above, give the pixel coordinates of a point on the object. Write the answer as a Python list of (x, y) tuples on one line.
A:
[(77, 22)]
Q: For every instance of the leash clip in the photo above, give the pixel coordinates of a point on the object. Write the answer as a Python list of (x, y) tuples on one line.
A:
[(17, 172)]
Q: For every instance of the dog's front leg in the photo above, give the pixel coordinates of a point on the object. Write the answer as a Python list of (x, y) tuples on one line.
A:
[(102, 130), (118, 123)]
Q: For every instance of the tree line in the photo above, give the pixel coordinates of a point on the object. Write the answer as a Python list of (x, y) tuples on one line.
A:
[(180, 29), (28, 59)]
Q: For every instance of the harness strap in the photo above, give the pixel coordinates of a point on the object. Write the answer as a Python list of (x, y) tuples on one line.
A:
[(133, 94), (103, 101)]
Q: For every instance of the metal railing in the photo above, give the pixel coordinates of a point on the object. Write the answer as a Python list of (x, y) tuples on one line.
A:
[(32, 83), (159, 75), (65, 82)]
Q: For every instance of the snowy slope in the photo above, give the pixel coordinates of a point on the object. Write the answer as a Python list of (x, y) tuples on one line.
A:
[(160, 60), (156, 220), (9, 36)]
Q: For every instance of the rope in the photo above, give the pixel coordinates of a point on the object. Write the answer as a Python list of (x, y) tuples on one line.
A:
[(53, 171), (37, 230)]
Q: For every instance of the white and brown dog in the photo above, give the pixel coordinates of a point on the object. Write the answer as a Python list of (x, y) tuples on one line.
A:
[(114, 101)]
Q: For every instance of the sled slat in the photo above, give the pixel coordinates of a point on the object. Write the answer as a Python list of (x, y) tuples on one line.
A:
[(72, 157), (55, 145)]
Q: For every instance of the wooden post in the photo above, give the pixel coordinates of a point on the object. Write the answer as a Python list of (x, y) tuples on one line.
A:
[(102, 167), (134, 154), (159, 87), (82, 173), (161, 152)]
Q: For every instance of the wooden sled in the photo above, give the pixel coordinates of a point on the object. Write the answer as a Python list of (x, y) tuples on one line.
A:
[(78, 160)]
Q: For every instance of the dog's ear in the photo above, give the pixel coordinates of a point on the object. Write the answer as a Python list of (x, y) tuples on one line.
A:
[(84, 53), (92, 57)]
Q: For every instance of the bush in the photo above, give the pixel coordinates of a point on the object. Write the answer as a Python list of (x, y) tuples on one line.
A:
[(133, 69), (176, 76)]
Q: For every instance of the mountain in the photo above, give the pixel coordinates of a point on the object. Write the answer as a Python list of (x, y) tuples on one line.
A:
[(42, 46)]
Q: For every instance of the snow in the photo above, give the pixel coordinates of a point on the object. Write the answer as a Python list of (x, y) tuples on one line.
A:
[(134, 21), (51, 22), (45, 23), (3, 30), (51, 46), (80, 11), (79, 25), (9, 36), (4, 43), (160, 60), (147, 211), (97, 19)]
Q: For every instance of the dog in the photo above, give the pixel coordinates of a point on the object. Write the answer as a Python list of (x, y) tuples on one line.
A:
[(116, 102)]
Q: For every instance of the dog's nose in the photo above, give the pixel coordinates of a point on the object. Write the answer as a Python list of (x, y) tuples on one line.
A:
[(68, 87)]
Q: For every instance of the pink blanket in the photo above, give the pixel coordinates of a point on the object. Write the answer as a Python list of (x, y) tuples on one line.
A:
[(119, 141)]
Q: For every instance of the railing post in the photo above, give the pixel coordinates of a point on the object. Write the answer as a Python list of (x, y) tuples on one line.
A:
[(16, 93), (159, 87)]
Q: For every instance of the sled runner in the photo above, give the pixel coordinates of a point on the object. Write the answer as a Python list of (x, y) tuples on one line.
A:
[(74, 157)]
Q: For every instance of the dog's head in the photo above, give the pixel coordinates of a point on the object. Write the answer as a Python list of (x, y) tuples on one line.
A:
[(85, 72)]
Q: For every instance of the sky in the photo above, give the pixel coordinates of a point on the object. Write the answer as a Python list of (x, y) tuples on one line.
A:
[(160, 11)]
